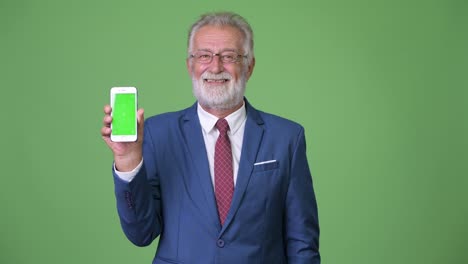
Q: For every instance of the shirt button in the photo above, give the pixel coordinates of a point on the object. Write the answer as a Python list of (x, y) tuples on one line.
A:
[(220, 243)]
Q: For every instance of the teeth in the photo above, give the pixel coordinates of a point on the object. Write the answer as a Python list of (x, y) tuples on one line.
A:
[(216, 80)]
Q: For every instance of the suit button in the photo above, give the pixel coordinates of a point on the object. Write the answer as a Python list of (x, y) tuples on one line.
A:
[(220, 243)]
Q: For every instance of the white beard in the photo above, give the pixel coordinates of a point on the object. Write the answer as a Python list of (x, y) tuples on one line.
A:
[(219, 97)]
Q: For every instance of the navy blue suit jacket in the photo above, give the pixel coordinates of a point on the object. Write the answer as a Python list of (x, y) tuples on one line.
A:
[(273, 216)]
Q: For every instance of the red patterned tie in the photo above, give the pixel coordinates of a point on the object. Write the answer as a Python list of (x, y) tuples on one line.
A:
[(224, 182)]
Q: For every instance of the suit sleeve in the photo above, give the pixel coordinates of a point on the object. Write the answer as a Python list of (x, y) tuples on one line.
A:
[(301, 217), (139, 201)]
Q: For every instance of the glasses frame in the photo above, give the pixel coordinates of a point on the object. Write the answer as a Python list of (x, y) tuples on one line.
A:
[(237, 59)]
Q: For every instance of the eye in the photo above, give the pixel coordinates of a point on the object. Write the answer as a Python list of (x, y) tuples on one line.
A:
[(204, 56), (229, 56)]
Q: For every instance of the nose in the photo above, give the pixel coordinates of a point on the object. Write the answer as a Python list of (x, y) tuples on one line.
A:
[(216, 65)]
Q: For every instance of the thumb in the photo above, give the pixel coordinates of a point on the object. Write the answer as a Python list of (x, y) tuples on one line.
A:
[(141, 123)]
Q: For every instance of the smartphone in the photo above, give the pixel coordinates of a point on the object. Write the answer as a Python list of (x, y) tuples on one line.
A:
[(124, 114)]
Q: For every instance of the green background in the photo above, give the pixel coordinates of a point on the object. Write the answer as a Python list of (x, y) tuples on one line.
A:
[(380, 86)]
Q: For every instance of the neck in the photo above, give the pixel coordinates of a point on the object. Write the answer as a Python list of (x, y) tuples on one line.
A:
[(222, 113)]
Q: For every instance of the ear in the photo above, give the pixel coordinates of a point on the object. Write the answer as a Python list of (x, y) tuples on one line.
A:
[(189, 67), (250, 68)]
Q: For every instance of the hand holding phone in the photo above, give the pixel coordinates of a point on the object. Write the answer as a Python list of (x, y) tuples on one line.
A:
[(127, 155)]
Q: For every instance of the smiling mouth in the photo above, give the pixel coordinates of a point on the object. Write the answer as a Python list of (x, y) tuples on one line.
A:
[(216, 81)]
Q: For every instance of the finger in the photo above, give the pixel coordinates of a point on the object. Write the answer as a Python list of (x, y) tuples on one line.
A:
[(141, 123), (107, 109), (106, 131), (140, 115), (107, 120)]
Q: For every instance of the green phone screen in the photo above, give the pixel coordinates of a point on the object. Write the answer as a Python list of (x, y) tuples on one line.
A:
[(124, 114)]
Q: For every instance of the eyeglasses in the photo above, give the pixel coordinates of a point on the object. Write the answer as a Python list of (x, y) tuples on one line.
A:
[(206, 57)]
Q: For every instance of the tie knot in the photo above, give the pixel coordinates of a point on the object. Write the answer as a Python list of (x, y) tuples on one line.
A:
[(222, 126)]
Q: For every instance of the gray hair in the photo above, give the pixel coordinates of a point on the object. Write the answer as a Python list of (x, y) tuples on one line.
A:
[(225, 19)]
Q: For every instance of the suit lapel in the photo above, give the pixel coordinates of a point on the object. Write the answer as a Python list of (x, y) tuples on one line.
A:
[(195, 143), (251, 143)]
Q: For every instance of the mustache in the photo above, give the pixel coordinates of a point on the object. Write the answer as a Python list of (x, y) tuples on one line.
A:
[(219, 76)]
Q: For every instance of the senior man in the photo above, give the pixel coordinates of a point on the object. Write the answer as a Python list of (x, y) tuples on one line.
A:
[(219, 182)]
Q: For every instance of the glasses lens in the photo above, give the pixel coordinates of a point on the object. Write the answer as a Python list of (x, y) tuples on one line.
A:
[(229, 56), (203, 56)]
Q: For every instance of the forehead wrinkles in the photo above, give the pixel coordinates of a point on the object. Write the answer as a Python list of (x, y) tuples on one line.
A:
[(222, 38)]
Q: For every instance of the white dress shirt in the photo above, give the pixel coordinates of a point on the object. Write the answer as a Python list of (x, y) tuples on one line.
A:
[(236, 123)]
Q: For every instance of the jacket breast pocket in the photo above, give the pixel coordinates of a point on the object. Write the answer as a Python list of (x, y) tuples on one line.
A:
[(161, 260), (265, 166)]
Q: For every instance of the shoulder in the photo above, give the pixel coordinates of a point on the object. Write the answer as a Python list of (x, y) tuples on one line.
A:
[(281, 128), (279, 134), (274, 122), (278, 121), (169, 118)]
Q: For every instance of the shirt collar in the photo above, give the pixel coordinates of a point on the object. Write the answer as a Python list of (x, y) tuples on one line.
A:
[(235, 119)]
